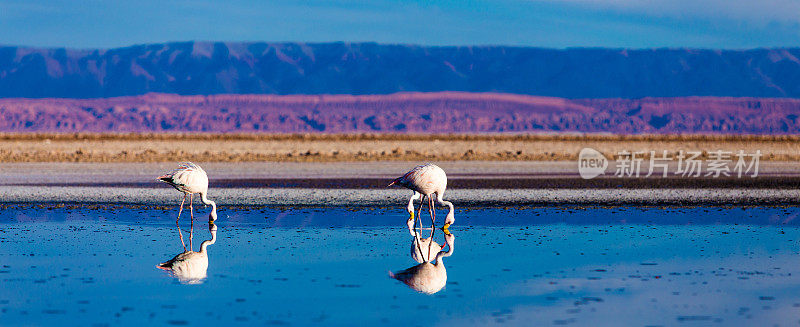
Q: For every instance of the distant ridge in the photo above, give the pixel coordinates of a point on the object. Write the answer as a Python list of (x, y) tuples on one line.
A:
[(201, 68), (443, 112)]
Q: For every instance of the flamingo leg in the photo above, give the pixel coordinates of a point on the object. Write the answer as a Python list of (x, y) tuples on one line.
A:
[(191, 228), (178, 225), (419, 212), (433, 224)]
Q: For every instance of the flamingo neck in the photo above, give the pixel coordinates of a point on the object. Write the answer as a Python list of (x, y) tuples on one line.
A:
[(410, 207), (206, 243), (206, 201), (442, 254), (411, 229), (451, 218)]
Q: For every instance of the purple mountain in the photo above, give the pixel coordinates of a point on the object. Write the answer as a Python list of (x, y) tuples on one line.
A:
[(445, 112), (196, 68)]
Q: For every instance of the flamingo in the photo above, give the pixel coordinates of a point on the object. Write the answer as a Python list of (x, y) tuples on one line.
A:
[(190, 179), (427, 277), (191, 267), (426, 180)]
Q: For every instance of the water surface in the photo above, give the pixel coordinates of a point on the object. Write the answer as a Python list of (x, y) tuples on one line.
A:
[(300, 266)]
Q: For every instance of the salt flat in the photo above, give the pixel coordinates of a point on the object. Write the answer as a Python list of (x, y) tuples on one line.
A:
[(397, 197), (354, 184)]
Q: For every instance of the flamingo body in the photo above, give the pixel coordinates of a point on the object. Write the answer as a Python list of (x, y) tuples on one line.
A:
[(425, 179), (188, 178)]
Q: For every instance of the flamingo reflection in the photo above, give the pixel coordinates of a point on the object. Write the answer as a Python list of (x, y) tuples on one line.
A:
[(421, 248), (190, 267), (428, 277)]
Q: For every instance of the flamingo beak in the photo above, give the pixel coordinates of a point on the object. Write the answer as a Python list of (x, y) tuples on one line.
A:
[(395, 181), (445, 228)]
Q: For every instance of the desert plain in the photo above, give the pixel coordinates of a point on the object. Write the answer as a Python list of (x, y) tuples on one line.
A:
[(207, 147)]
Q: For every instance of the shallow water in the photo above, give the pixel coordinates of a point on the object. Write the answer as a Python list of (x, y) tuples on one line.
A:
[(518, 266)]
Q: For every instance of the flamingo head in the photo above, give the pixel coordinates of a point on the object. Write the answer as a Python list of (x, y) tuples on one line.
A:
[(395, 181), (449, 239), (449, 220)]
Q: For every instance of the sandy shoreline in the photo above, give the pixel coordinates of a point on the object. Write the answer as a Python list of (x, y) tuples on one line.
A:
[(136, 148)]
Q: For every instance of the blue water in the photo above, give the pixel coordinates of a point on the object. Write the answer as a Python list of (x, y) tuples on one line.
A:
[(299, 266)]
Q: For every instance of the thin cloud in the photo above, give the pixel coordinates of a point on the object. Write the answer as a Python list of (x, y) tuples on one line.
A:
[(751, 11)]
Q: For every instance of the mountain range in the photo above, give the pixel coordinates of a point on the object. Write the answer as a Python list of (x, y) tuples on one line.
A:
[(440, 112), (368, 87), (206, 68)]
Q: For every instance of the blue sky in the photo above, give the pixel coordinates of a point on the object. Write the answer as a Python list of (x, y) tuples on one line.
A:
[(543, 23)]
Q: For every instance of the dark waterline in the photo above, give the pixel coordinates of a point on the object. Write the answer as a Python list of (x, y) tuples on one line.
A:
[(338, 217), (479, 181), (301, 266)]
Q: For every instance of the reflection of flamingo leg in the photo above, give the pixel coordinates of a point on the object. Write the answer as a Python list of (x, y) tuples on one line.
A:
[(432, 206), (419, 212), (419, 217), (416, 235), (178, 225), (191, 228)]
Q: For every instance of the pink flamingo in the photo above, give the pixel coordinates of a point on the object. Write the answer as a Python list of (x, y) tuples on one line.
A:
[(426, 180), (190, 179)]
